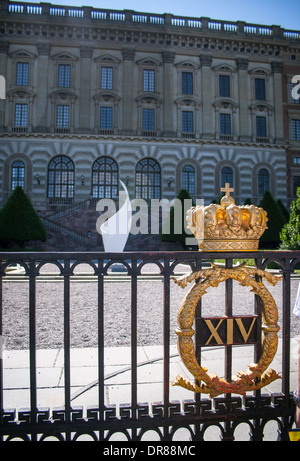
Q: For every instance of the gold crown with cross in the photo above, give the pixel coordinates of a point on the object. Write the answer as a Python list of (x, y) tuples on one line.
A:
[(227, 227)]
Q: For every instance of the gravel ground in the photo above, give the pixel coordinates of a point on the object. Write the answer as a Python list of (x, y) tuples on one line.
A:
[(117, 318)]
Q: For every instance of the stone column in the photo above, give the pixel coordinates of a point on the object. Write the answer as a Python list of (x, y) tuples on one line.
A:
[(168, 95), (86, 53), (42, 89), (128, 93), (243, 97), (277, 98), (207, 101), (3, 71)]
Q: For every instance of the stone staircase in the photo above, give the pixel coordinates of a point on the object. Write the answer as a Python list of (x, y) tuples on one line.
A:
[(74, 229)]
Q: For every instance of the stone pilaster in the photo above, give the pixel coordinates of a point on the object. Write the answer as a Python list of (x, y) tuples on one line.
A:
[(207, 111), (42, 89), (168, 93), (277, 98), (243, 95), (128, 93), (86, 53)]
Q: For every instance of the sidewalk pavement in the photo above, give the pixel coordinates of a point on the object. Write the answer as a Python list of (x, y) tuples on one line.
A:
[(84, 389)]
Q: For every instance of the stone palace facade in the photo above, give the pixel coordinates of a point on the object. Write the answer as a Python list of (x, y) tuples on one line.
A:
[(160, 102)]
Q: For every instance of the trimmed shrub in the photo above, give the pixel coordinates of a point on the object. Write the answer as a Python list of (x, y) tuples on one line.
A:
[(276, 221), (19, 222)]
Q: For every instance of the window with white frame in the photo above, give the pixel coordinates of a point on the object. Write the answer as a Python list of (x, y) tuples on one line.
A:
[(149, 80), (106, 78), (63, 116), (64, 75), (22, 73), (187, 121), (295, 130), (224, 86), (61, 178), (261, 127), (187, 82), (21, 115), (106, 118), (147, 179), (260, 89), (188, 179), (17, 174), (225, 124), (105, 178), (148, 122), (263, 181)]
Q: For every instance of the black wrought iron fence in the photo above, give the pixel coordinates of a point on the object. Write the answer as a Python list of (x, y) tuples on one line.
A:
[(133, 420)]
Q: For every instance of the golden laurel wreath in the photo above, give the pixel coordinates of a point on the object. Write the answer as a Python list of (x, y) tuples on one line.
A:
[(258, 375)]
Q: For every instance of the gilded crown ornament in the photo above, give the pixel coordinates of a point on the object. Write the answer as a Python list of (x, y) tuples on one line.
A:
[(227, 227)]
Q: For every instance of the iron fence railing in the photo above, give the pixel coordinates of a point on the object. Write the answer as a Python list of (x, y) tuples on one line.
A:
[(134, 420)]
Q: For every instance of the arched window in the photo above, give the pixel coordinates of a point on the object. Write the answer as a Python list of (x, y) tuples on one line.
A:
[(61, 180), (105, 178), (147, 179), (188, 179), (17, 174), (226, 176), (263, 181)]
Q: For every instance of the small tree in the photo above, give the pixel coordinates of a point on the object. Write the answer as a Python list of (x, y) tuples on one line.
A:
[(290, 234), (276, 221), (19, 222)]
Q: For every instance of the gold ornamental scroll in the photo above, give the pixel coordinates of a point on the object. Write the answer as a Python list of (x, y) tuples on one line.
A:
[(258, 374)]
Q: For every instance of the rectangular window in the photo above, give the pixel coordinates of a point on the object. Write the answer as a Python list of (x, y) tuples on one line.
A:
[(261, 127), (64, 75), (63, 116), (106, 78), (22, 73), (105, 118), (21, 115), (225, 124), (260, 89), (296, 184), (187, 121), (148, 120), (187, 83), (149, 80), (224, 86), (295, 130)]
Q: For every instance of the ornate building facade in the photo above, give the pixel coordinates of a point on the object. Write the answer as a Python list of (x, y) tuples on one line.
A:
[(160, 102)]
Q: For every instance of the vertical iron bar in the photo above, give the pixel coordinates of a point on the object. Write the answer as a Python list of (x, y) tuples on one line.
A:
[(2, 350), (228, 348), (134, 338), (67, 364), (257, 435), (286, 330), (101, 400), (32, 342), (166, 389)]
